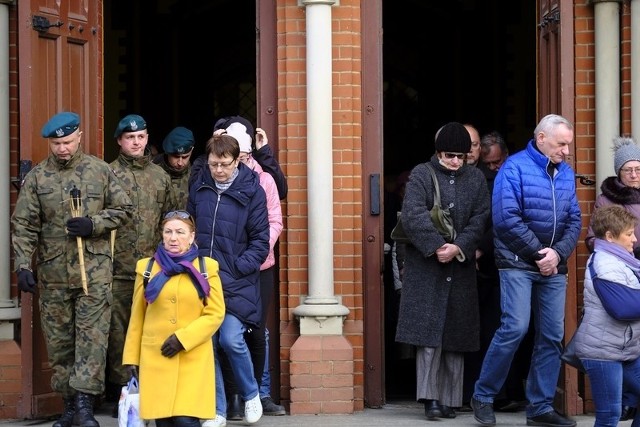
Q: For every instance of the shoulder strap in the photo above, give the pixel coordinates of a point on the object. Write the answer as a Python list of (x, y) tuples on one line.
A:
[(436, 187), (147, 273), (203, 268)]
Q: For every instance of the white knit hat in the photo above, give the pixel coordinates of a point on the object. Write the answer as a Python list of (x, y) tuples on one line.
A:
[(625, 149), (239, 132)]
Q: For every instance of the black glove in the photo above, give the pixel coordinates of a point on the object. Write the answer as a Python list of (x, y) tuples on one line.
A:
[(26, 281), (80, 226), (171, 346), (133, 371)]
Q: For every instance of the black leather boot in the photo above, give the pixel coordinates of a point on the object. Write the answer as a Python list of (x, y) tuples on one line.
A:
[(84, 408), (432, 409), (66, 419), (235, 407)]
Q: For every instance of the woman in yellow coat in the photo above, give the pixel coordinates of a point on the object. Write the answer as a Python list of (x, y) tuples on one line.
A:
[(174, 314)]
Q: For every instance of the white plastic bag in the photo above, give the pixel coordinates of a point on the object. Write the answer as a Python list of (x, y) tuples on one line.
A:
[(129, 406)]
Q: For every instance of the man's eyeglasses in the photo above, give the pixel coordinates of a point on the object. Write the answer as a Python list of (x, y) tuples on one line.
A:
[(215, 166), (460, 156), (178, 214), (629, 171)]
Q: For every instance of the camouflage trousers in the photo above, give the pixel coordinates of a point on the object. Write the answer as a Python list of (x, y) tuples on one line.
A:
[(122, 291), (76, 328)]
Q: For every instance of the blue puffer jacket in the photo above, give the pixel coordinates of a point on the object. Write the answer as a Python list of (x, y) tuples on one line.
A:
[(232, 228), (531, 210)]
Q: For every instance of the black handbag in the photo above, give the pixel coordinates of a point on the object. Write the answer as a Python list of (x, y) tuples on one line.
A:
[(569, 356)]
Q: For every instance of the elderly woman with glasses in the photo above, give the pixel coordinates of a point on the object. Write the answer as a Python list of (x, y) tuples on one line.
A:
[(622, 189), (232, 227), (177, 306), (439, 311)]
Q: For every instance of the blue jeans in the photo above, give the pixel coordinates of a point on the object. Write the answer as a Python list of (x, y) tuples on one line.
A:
[(265, 385), (523, 293), (230, 337), (607, 379)]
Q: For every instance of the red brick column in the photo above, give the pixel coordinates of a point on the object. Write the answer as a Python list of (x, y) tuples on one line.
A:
[(321, 375)]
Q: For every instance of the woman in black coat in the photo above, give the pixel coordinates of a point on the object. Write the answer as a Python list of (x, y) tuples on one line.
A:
[(439, 303)]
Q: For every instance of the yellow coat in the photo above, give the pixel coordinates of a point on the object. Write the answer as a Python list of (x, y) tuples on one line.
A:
[(183, 385)]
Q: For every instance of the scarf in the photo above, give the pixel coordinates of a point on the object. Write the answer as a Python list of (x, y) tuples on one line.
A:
[(171, 265), (601, 245), (223, 186)]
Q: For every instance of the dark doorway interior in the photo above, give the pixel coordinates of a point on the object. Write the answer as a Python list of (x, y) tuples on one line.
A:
[(468, 61), (186, 63)]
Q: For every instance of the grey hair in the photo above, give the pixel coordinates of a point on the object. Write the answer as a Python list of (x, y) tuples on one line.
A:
[(549, 123)]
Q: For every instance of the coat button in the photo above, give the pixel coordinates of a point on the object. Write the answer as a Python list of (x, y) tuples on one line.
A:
[(448, 279), (173, 320)]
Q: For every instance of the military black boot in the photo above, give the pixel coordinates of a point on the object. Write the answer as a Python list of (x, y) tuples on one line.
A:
[(66, 419), (84, 408)]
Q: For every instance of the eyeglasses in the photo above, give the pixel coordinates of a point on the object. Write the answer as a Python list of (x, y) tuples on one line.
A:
[(215, 166), (452, 155), (244, 157), (629, 171), (178, 214)]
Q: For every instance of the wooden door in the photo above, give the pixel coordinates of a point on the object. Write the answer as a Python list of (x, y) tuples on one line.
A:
[(373, 220), (556, 90), (60, 70)]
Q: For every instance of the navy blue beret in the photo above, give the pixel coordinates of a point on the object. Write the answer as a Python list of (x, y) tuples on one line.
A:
[(62, 124), (130, 123), (178, 141)]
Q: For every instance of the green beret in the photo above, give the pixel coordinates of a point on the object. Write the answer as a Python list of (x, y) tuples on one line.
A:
[(178, 141), (62, 124), (130, 123)]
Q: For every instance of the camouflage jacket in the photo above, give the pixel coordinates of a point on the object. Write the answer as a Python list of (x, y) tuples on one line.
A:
[(43, 208), (151, 193), (179, 179)]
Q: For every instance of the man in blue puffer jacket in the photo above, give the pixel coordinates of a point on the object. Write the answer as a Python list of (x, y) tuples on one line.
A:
[(232, 227), (537, 222)]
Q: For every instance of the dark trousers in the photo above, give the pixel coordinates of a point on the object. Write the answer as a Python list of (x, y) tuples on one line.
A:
[(255, 338)]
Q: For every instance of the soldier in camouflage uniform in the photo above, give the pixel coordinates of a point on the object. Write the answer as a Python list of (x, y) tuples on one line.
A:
[(176, 161), (75, 324), (151, 193)]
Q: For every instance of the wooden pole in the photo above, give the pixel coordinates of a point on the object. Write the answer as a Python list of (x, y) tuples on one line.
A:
[(76, 211)]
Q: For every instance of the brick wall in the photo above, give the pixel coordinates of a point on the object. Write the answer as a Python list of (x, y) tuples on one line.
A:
[(347, 207)]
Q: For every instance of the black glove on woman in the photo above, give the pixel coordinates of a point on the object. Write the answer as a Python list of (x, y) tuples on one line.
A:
[(171, 346), (133, 371)]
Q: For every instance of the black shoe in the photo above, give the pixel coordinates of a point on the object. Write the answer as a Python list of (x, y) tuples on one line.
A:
[(447, 411), (550, 419), (628, 412), (235, 408), (269, 407), (432, 409), (66, 419), (84, 410), (483, 412)]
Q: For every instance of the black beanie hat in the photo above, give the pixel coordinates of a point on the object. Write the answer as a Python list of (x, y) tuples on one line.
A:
[(453, 138)]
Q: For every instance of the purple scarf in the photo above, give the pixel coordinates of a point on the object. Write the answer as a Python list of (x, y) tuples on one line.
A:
[(171, 265), (601, 245)]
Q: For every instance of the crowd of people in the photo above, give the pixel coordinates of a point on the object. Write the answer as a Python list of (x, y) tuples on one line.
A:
[(485, 311), (481, 303), (115, 304)]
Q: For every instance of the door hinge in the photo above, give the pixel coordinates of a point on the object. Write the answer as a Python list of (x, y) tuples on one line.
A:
[(41, 23)]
